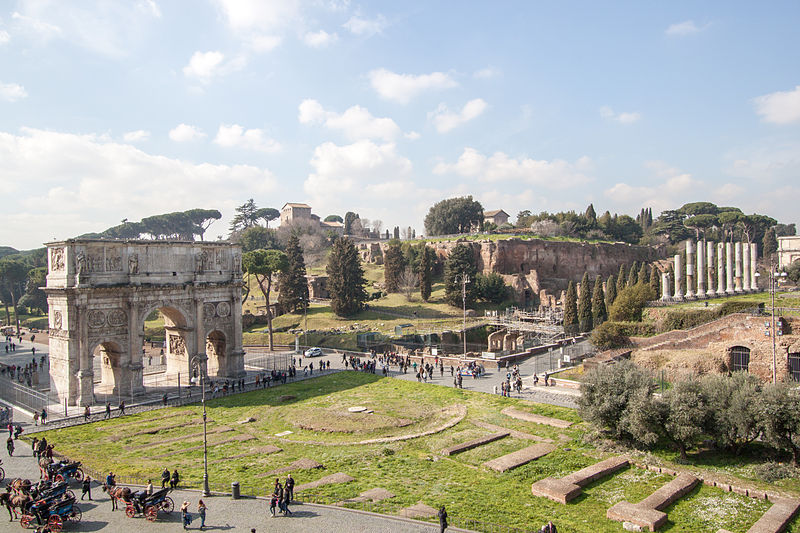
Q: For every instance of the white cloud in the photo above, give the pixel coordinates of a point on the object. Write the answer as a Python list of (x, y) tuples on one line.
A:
[(555, 174), (412, 135), (358, 25), (11, 92), (782, 107), (33, 26), (259, 15), (403, 88), (446, 120), (184, 133), (206, 65), (622, 118), (65, 185), (666, 189), (356, 122), (4, 37), (486, 73), (136, 136), (264, 43), (320, 39), (235, 136), (687, 27)]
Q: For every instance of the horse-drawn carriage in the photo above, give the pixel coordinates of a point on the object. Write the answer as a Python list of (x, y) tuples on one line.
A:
[(43, 503), (64, 471), (149, 506)]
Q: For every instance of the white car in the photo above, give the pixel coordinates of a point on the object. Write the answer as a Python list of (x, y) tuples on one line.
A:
[(313, 352)]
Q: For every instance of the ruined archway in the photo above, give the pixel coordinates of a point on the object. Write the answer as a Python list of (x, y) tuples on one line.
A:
[(215, 352), (101, 292)]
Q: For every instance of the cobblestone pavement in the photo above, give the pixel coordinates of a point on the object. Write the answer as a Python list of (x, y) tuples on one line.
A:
[(224, 514)]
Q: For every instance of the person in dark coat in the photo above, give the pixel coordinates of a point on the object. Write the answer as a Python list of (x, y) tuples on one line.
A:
[(175, 479), (86, 485), (10, 446), (442, 519), (289, 488), (164, 478)]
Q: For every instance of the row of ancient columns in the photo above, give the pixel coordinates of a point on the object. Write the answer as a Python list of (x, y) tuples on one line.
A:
[(735, 265)]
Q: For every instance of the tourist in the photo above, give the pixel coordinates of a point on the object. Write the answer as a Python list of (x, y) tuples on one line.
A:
[(121, 407), (108, 410), (186, 518), (201, 510), (87, 411), (175, 479), (150, 488), (43, 416), (535, 379), (10, 446), (86, 486), (289, 488), (164, 477), (35, 447), (442, 519), (549, 527), (546, 379), (273, 502), (36, 418)]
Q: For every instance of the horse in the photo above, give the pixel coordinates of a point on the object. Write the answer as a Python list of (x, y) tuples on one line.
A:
[(118, 493), (20, 486)]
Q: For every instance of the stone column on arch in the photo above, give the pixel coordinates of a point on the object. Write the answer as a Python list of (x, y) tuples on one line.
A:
[(737, 269), (85, 393), (136, 365), (701, 269), (678, 278), (666, 289), (753, 266), (690, 268), (728, 268), (709, 269), (746, 267), (720, 269)]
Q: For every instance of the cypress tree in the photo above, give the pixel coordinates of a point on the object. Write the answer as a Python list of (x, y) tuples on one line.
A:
[(394, 264), (633, 274), (770, 243), (345, 278), (460, 262), (655, 280), (293, 294), (585, 304), (611, 291), (644, 274), (599, 313), (426, 256), (571, 310), (621, 277)]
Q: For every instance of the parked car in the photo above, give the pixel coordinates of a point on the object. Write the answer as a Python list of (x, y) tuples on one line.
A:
[(313, 352)]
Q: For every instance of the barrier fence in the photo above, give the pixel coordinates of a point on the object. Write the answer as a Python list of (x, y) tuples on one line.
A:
[(18, 394)]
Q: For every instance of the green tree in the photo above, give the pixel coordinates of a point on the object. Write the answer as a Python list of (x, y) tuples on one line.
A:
[(202, 219), (349, 218), (460, 263), (655, 280), (780, 416), (571, 323), (621, 277), (345, 278), (267, 214), (246, 216), (34, 295), (585, 304), (334, 218), (293, 295), (735, 409), (492, 287), (454, 215), (265, 266), (630, 303), (259, 238), (611, 291), (770, 243), (633, 275), (590, 216), (13, 274), (394, 264), (426, 260), (644, 273), (599, 313), (686, 414)]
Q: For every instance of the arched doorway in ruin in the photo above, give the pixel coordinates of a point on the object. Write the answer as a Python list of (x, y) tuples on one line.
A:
[(215, 352), (106, 357)]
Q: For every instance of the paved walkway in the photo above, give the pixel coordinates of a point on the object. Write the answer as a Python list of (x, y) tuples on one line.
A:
[(224, 514)]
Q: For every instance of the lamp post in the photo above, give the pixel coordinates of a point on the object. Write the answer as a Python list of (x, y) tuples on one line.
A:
[(464, 280), (774, 278), (197, 365)]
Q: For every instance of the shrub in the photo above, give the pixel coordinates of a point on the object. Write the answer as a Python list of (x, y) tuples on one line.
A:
[(609, 335), (772, 472), (630, 303)]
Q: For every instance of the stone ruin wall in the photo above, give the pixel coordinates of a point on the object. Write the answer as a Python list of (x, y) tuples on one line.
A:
[(538, 270)]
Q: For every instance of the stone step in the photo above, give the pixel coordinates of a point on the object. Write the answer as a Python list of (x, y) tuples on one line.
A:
[(569, 487), (648, 513), (520, 457), (536, 419), (777, 517), (464, 446)]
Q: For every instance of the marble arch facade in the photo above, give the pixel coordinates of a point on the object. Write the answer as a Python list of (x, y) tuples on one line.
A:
[(100, 292)]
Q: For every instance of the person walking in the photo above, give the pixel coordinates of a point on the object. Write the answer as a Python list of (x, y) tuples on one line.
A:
[(164, 477), (35, 447), (36, 418), (285, 503), (186, 518), (86, 486), (43, 416), (10, 446), (122, 408), (108, 410), (201, 510), (442, 519)]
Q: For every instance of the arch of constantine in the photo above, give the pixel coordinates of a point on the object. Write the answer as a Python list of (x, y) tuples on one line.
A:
[(100, 293)]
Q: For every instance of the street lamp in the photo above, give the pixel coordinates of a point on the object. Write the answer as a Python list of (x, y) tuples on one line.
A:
[(198, 367), (464, 280), (775, 277)]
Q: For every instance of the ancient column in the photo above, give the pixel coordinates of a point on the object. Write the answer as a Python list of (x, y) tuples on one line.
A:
[(690, 268), (709, 269), (737, 272), (678, 278), (720, 268), (746, 268), (753, 266), (701, 270), (665, 288), (729, 268)]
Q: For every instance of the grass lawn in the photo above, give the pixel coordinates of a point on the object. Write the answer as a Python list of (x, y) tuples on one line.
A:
[(315, 412)]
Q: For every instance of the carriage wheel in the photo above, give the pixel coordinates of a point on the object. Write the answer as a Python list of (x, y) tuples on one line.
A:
[(130, 512), (25, 521), (151, 513), (59, 478), (69, 494), (54, 523), (78, 475), (168, 505), (76, 515)]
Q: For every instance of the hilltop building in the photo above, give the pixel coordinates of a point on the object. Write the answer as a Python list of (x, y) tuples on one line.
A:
[(498, 217), (292, 213)]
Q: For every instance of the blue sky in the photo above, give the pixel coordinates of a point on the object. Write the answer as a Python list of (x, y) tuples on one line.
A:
[(112, 110)]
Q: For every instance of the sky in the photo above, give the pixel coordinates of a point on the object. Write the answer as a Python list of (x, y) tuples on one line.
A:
[(113, 110)]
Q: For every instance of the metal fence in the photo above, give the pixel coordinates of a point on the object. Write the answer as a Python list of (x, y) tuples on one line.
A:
[(18, 394)]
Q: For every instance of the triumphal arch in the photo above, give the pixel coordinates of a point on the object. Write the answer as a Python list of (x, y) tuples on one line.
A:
[(101, 291)]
